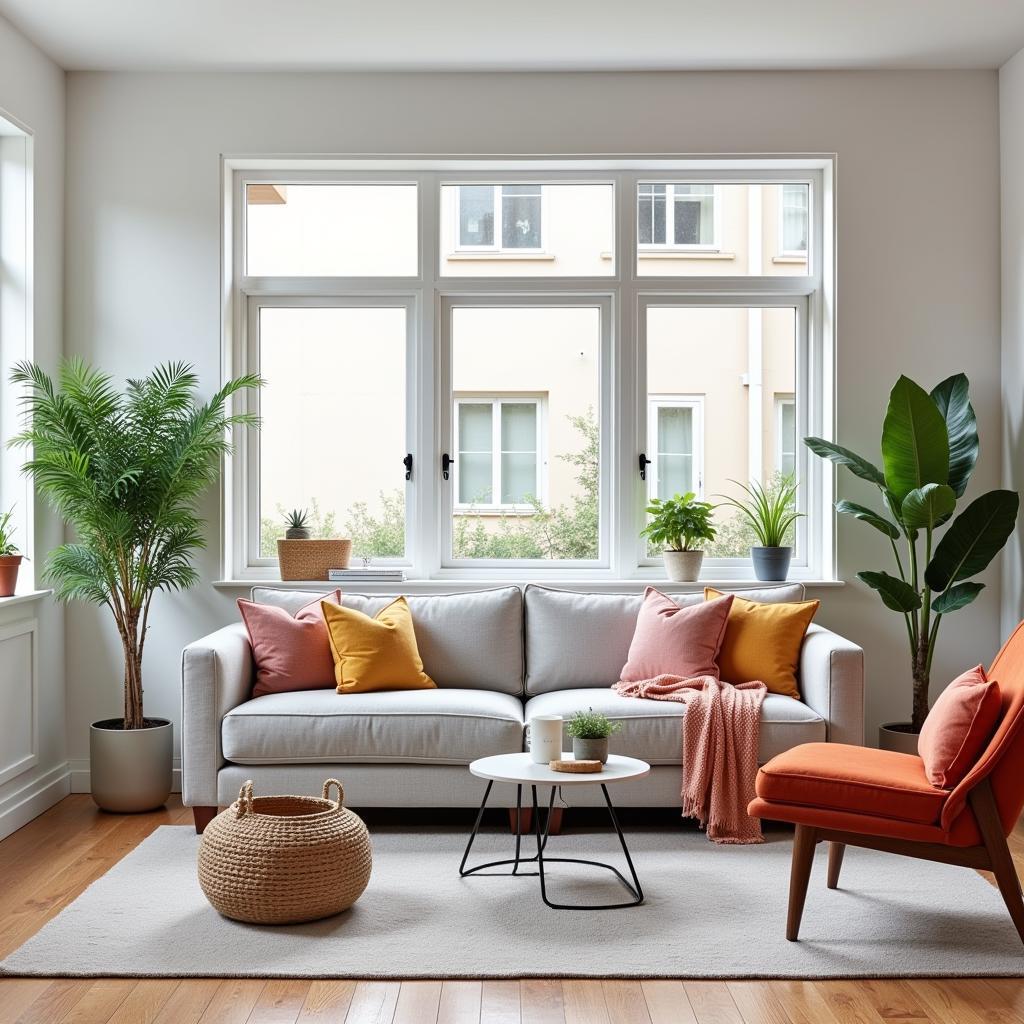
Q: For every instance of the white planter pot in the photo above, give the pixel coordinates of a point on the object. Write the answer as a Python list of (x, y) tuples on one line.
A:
[(683, 566), (130, 769), (893, 736)]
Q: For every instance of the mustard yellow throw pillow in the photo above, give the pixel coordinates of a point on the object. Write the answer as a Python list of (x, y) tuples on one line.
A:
[(375, 654), (762, 641)]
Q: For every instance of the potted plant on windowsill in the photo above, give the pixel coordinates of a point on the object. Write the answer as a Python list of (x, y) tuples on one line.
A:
[(678, 524), (929, 450), (771, 512), (10, 557), (126, 470), (590, 731), (296, 527)]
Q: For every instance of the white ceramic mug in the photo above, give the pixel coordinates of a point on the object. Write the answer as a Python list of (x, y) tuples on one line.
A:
[(545, 738)]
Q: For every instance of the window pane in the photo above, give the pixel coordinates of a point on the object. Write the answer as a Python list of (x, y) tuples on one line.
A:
[(475, 431), (476, 215), (476, 485), (722, 229), (335, 378), (787, 437), (528, 359), (331, 230), (536, 230), (520, 217), (729, 369), (474, 465)]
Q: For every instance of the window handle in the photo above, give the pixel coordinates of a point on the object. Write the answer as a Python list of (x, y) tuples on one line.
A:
[(407, 462), (643, 462), (446, 464)]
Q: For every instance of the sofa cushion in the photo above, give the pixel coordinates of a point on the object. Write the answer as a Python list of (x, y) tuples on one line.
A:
[(652, 729), (597, 629), (840, 777), (404, 726), (466, 641)]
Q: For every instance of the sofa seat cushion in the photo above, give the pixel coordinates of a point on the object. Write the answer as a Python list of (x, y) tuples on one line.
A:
[(652, 729), (402, 727), (842, 777)]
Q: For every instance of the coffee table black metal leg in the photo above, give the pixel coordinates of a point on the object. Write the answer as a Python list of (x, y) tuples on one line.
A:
[(622, 840), (519, 860), (476, 827)]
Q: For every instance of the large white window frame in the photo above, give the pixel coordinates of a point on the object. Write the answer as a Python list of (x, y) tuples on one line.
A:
[(623, 298)]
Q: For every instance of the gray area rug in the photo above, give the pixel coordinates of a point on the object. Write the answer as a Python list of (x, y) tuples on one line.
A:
[(711, 912)]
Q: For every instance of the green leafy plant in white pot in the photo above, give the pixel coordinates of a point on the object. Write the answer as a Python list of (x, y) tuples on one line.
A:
[(590, 731), (680, 525), (771, 513), (125, 470), (929, 450)]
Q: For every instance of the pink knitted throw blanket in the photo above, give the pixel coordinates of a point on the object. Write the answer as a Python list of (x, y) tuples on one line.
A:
[(721, 729)]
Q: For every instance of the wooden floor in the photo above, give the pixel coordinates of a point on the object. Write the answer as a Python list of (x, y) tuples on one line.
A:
[(49, 862)]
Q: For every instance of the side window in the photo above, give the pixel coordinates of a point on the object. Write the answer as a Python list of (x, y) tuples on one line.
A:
[(498, 462), (501, 217)]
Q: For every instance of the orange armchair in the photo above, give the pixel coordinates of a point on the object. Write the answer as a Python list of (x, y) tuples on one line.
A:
[(857, 796)]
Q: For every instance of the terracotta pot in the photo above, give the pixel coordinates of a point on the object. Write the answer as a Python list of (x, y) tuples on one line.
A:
[(9, 565), (683, 566), (897, 736)]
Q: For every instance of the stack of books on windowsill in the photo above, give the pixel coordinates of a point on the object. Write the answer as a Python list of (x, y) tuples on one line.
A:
[(366, 574)]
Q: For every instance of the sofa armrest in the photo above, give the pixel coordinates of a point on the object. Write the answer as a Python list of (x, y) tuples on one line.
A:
[(832, 683), (216, 676)]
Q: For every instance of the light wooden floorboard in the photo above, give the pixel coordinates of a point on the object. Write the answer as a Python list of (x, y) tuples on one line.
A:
[(51, 860)]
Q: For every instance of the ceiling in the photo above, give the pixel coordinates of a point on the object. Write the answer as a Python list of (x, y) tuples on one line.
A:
[(555, 35)]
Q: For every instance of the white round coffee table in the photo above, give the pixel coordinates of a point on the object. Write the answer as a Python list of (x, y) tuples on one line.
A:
[(521, 770)]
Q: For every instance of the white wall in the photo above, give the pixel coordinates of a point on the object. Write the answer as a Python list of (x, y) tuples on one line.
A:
[(32, 90), (918, 257), (1011, 143)]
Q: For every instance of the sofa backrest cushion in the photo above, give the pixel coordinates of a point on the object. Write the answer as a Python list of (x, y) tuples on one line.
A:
[(576, 640), (471, 641)]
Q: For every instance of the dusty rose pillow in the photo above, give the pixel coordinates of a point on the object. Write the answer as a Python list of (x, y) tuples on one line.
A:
[(670, 640), (291, 652), (958, 726)]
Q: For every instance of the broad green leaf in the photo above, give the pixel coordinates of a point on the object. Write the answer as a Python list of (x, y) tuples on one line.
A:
[(870, 516), (895, 593), (958, 596), (953, 402), (926, 507), (844, 457), (915, 445), (973, 539)]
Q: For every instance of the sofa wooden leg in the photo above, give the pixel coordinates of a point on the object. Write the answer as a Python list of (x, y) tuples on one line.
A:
[(525, 823), (800, 874), (555, 821), (835, 863), (202, 817), (986, 813)]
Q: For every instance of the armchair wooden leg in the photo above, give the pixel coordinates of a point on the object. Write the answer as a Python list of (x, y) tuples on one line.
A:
[(202, 816), (835, 863), (525, 823), (800, 874), (986, 813)]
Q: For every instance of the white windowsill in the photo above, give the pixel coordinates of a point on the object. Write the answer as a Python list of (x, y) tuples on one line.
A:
[(789, 259), (505, 254), (446, 586), (24, 598), (684, 254)]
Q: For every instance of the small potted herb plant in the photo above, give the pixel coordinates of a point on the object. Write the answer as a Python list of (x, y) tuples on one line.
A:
[(296, 522), (679, 525), (10, 557), (771, 512), (590, 731)]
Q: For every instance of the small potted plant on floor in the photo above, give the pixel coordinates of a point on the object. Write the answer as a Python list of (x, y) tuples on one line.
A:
[(10, 557), (679, 525), (590, 731), (771, 513), (295, 525), (126, 470)]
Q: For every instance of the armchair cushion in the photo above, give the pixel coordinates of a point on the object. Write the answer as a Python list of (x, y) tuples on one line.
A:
[(835, 776)]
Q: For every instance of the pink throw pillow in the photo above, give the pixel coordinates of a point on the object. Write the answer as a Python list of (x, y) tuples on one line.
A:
[(958, 727), (291, 652), (670, 640)]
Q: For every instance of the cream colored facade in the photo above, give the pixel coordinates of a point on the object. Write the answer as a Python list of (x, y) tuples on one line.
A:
[(334, 405)]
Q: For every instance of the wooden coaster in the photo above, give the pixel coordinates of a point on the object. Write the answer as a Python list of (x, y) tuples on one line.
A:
[(577, 767)]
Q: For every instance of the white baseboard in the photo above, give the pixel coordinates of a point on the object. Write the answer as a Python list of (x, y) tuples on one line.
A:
[(79, 768), (28, 802)]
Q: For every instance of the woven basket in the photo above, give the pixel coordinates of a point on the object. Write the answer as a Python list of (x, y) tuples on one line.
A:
[(284, 859), (310, 559)]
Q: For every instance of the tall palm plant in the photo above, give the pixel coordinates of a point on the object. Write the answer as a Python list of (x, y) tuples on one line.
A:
[(125, 470)]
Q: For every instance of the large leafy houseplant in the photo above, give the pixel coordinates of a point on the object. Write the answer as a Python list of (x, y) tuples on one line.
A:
[(679, 523), (929, 450), (125, 470)]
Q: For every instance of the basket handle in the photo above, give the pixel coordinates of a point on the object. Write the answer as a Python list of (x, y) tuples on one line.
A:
[(341, 791), (244, 805)]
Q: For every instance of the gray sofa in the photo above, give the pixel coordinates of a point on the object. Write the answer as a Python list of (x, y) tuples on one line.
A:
[(499, 657)]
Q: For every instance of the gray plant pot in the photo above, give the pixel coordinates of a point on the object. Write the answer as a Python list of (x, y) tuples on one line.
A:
[(590, 750), (896, 736), (683, 566), (771, 564), (130, 769), (297, 533)]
